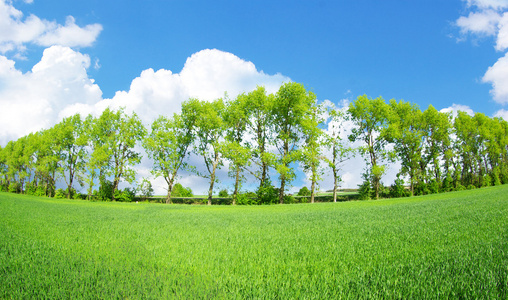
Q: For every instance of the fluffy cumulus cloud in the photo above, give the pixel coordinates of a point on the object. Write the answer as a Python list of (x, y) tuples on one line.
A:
[(35, 100), (16, 31), (207, 75), (455, 108), (59, 86), (490, 18), (497, 75), (502, 113)]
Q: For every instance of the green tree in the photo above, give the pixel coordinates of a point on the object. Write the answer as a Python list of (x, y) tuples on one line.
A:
[(71, 140), (437, 144), (235, 149), (208, 132), (258, 109), (47, 159), (15, 158), (291, 106), (371, 119), (333, 142), (169, 143), (311, 150), (406, 131), (468, 145), (3, 169), (121, 133), (145, 189), (98, 162)]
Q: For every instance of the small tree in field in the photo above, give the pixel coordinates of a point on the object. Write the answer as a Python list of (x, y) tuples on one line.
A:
[(145, 189)]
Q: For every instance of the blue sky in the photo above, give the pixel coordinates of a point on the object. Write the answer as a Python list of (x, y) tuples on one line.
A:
[(62, 57), (395, 49)]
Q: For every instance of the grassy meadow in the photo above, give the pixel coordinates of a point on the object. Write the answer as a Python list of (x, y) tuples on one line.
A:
[(452, 245)]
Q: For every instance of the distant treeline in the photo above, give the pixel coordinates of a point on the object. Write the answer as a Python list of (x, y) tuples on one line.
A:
[(257, 132)]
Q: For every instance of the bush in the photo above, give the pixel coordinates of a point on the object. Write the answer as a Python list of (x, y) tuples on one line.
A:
[(447, 185), (79, 196), (495, 176), (267, 194), (30, 188), (14, 187), (60, 194), (398, 190), (365, 189), (288, 199), (433, 186), (460, 187), (105, 191), (40, 191), (421, 188), (223, 193), (4, 187), (248, 198), (487, 181), (304, 191), (180, 191), (126, 195)]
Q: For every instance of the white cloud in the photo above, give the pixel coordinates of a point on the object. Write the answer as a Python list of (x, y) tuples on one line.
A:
[(17, 31), (490, 18), (209, 73), (502, 36), (455, 108), (35, 100), (497, 75), (482, 23), (488, 4), (502, 113), (206, 75), (70, 35)]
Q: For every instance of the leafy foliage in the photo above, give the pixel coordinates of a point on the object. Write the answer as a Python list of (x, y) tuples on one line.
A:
[(304, 191), (180, 191)]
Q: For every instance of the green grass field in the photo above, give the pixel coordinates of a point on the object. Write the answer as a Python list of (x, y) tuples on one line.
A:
[(451, 245)]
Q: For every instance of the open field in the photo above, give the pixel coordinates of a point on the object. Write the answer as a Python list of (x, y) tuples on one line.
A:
[(451, 245)]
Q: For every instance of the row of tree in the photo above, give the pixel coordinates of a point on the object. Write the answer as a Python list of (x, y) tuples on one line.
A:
[(437, 152), (258, 132)]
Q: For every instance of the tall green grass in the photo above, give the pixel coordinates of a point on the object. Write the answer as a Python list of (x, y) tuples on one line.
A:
[(451, 245)]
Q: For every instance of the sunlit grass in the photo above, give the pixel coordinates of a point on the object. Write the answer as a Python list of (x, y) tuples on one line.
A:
[(440, 246)]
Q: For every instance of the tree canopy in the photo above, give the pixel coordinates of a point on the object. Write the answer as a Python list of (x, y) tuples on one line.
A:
[(257, 134)]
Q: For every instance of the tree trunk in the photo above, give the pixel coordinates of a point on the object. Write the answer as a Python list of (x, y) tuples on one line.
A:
[(170, 190), (312, 188), (237, 183), (212, 178), (376, 183), (69, 186), (90, 188), (210, 190), (334, 185), (115, 188), (281, 190)]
